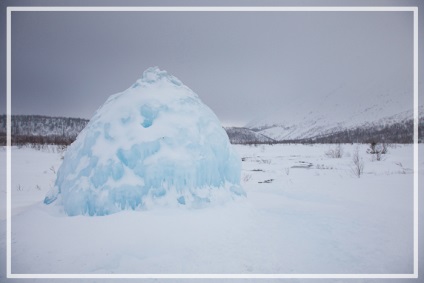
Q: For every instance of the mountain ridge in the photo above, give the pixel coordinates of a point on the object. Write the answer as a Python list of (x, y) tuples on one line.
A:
[(396, 128), (373, 102)]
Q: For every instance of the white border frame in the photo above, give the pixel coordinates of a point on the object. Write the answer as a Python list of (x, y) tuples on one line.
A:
[(205, 9)]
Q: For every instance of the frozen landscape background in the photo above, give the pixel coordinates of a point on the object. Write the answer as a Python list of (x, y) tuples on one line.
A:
[(290, 89)]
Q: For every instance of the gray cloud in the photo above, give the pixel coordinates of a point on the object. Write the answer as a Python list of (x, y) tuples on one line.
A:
[(239, 63)]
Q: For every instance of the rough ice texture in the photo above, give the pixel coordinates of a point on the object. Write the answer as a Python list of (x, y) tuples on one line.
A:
[(155, 143)]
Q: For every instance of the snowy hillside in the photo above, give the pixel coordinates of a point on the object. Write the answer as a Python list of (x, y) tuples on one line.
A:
[(348, 106), (397, 128), (246, 136), (379, 120)]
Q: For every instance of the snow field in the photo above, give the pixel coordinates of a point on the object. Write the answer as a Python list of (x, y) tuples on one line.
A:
[(33, 174), (346, 224), (313, 217)]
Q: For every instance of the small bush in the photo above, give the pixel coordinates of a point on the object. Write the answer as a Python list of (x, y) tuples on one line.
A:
[(247, 177), (377, 150), (358, 164), (336, 152)]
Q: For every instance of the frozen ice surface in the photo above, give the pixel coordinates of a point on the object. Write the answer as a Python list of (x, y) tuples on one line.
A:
[(155, 143)]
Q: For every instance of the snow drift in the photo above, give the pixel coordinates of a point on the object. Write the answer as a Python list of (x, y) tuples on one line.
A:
[(155, 143)]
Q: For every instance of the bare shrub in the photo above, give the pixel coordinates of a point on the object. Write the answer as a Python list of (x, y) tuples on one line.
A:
[(336, 152), (377, 150), (247, 177), (403, 170), (358, 164), (378, 156), (324, 167), (384, 148), (264, 161)]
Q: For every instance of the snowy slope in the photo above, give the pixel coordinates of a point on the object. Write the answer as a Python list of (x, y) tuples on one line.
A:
[(389, 124), (243, 135), (350, 105)]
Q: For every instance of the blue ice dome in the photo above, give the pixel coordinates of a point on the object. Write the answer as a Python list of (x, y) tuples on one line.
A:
[(154, 144)]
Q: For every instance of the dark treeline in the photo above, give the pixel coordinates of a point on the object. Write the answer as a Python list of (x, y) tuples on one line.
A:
[(238, 135), (43, 130), (43, 140), (401, 132), (395, 133), (33, 125), (36, 129)]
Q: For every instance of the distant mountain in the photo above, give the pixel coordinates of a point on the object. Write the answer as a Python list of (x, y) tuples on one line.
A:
[(389, 132), (246, 136), (396, 128), (349, 107)]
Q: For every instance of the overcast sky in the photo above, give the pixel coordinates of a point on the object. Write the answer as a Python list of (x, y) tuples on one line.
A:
[(239, 63)]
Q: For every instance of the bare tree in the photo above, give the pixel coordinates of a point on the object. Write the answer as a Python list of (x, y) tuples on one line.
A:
[(358, 163)]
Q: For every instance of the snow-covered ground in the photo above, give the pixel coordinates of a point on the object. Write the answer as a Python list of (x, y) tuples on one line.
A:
[(305, 212)]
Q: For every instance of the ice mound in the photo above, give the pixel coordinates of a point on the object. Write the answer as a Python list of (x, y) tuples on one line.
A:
[(156, 143)]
